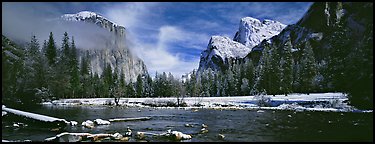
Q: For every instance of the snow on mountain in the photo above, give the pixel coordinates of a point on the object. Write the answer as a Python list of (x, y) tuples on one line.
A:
[(219, 50), (81, 16), (252, 31), (92, 17)]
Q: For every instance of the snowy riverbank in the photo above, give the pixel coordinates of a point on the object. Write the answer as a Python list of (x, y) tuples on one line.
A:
[(335, 102)]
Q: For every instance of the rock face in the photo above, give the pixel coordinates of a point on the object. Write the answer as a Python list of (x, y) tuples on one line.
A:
[(327, 27), (252, 31), (97, 19), (340, 35), (116, 52), (221, 50)]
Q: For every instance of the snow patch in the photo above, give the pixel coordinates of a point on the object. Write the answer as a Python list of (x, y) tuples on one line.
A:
[(101, 122)]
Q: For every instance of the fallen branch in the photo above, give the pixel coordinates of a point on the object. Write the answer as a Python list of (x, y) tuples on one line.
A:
[(33, 115)]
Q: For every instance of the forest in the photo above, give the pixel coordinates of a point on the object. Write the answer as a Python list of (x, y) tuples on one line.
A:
[(44, 73)]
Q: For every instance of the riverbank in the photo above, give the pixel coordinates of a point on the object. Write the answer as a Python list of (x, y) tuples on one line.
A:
[(336, 102)]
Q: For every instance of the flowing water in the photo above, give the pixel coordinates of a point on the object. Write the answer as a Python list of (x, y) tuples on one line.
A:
[(235, 125)]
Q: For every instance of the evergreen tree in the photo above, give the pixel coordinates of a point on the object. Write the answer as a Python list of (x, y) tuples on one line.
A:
[(249, 74), (85, 75), (237, 78), (164, 84), (34, 66), (130, 89), (274, 73), (264, 80), (62, 71), (139, 86), (74, 72), (51, 53), (308, 68), (65, 48), (231, 83), (286, 67)]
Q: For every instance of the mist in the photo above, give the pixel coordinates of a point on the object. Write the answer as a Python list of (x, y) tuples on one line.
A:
[(22, 20)]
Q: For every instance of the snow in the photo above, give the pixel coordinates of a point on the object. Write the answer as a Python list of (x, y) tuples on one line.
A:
[(80, 16), (3, 113), (73, 123), (33, 116), (101, 122), (221, 47), (10, 54), (88, 123), (252, 31), (226, 48), (180, 135), (281, 102)]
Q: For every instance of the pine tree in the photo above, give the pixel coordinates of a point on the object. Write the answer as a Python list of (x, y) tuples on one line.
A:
[(139, 86), (51, 53), (130, 89), (85, 75), (264, 71), (249, 74), (274, 73), (237, 78), (286, 65), (308, 68), (34, 67), (65, 48), (74, 72), (62, 71), (231, 83)]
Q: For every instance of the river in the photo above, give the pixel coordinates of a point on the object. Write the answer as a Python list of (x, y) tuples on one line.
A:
[(235, 125)]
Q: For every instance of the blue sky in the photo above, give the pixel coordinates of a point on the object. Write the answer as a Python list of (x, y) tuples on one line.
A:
[(170, 36)]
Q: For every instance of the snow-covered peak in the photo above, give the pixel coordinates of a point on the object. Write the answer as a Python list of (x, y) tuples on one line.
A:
[(83, 15), (253, 31), (94, 18), (86, 14), (79, 16), (226, 47), (251, 21), (219, 50)]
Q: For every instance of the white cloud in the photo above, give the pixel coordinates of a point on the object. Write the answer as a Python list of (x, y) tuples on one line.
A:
[(158, 58), (152, 38), (175, 35), (132, 15)]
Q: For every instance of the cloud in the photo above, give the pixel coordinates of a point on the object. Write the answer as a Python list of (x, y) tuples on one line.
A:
[(157, 42), (22, 20), (132, 15), (157, 55)]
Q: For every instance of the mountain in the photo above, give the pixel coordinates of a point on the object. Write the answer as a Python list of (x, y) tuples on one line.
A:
[(340, 35), (252, 31), (91, 17), (115, 52), (221, 50)]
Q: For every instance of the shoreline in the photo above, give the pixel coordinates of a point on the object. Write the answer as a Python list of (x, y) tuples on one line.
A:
[(327, 102)]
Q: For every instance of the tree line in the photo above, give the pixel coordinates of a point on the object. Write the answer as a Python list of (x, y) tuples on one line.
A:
[(49, 72)]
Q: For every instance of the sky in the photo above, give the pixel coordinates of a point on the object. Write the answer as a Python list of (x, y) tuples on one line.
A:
[(167, 36)]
